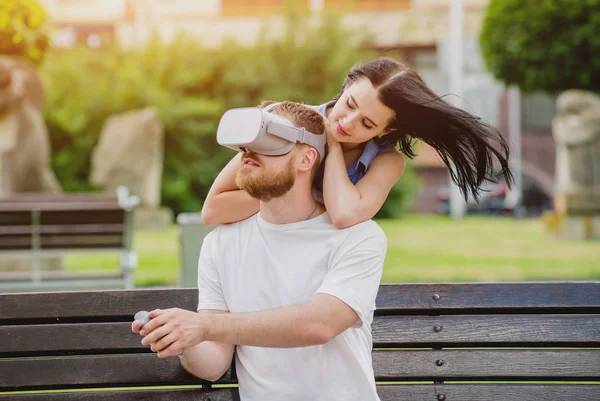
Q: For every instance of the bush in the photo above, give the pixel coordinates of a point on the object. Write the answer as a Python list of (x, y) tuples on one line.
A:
[(22, 30), (192, 87), (545, 45), (401, 197)]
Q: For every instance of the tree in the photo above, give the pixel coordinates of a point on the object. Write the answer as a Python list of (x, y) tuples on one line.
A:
[(22, 30), (543, 45)]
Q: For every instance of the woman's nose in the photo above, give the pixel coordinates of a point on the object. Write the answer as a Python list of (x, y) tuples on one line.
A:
[(350, 119)]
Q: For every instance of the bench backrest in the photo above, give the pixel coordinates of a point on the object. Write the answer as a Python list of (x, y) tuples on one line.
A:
[(542, 334), (62, 222)]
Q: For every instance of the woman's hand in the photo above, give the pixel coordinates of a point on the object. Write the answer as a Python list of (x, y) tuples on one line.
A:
[(329, 130)]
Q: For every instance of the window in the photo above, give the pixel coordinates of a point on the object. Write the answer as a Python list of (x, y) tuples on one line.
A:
[(260, 7), (367, 5)]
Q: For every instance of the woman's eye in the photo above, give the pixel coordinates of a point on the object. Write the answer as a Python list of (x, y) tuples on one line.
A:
[(352, 108)]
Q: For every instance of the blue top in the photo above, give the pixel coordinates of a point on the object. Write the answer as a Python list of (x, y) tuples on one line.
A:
[(358, 169)]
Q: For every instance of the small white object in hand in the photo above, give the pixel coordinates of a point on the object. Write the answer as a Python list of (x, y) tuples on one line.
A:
[(142, 316)]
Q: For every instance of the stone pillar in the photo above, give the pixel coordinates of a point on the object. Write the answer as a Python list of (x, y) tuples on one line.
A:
[(576, 131), (130, 153)]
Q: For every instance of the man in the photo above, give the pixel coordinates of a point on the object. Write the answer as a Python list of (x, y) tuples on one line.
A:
[(293, 295)]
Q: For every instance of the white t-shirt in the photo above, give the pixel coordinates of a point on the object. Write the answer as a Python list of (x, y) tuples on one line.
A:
[(254, 265)]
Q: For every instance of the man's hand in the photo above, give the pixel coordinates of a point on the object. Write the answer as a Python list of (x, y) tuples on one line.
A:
[(172, 330)]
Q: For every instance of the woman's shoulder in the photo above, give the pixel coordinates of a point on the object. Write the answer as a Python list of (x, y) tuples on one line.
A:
[(390, 156)]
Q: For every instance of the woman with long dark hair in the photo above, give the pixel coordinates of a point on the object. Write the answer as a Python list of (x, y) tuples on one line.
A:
[(383, 107)]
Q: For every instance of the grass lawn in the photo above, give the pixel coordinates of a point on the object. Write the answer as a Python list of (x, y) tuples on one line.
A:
[(420, 249)]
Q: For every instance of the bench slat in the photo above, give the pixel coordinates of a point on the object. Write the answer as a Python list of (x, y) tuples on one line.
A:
[(403, 392), (473, 298), (505, 365), (76, 215), (222, 394), (478, 331), (92, 371), (96, 241), (51, 197), (80, 215), (489, 297), (14, 218), (400, 331), (64, 205), (59, 275), (148, 369), (60, 338), (93, 304), (489, 392), (67, 284), (80, 229)]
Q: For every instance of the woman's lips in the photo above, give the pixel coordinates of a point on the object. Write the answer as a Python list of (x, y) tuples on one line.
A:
[(341, 131)]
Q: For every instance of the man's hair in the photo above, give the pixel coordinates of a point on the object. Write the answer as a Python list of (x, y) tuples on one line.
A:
[(302, 116)]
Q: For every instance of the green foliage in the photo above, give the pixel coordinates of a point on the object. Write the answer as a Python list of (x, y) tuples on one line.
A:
[(401, 197), (546, 45), (191, 86), (22, 29)]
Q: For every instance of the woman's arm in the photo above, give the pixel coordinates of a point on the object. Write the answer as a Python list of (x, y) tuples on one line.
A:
[(225, 202), (349, 204)]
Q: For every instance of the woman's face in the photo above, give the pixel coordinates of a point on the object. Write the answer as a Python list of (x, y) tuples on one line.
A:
[(359, 115)]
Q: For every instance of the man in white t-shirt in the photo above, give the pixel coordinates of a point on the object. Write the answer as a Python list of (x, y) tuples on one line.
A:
[(293, 295)]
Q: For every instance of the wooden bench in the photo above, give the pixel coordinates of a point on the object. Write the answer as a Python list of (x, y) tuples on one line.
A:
[(443, 342), (37, 225)]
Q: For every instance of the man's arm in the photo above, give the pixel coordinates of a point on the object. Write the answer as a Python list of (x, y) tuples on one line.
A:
[(313, 323), (208, 360)]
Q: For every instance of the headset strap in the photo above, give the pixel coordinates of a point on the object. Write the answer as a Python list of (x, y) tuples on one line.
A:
[(295, 134)]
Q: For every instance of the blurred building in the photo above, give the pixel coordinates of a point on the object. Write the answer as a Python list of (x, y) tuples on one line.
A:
[(393, 23), (414, 30)]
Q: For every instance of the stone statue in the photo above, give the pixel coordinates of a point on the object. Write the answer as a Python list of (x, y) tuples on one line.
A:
[(576, 131), (130, 153), (24, 145), (24, 141)]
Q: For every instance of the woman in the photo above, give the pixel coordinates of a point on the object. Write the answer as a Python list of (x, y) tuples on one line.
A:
[(383, 106)]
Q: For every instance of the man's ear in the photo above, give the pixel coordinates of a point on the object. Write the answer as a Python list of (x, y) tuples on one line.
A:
[(309, 158)]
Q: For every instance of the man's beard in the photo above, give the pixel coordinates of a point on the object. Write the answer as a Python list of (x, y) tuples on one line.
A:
[(266, 185)]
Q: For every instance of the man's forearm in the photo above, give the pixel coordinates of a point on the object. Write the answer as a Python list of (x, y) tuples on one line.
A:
[(285, 327), (208, 360)]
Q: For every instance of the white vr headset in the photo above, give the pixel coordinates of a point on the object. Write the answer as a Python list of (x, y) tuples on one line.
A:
[(264, 133)]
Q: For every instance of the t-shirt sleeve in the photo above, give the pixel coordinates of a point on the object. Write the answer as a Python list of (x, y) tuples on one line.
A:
[(210, 292), (355, 274)]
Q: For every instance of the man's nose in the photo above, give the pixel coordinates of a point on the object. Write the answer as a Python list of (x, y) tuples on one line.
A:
[(248, 153)]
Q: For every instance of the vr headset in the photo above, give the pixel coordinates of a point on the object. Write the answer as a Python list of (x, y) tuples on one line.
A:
[(264, 133)]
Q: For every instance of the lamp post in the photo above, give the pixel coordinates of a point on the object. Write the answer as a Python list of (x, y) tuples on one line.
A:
[(514, 134), (455, 57)]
